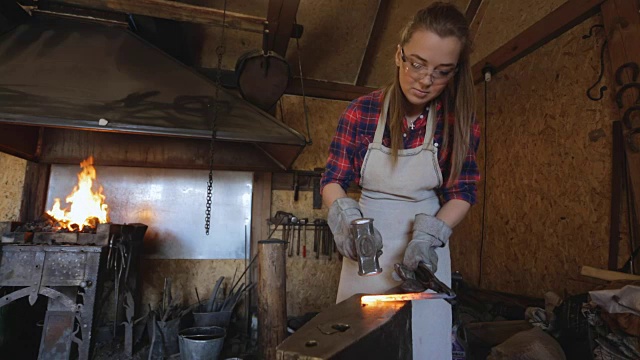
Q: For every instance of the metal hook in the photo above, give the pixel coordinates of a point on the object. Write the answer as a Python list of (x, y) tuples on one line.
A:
[(626, 118), (592, 29), (633, 66), (604, 45), (603, 88), (623, 89)]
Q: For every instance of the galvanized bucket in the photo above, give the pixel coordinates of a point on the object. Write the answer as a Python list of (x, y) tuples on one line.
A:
[(216, 318), (201, 343)]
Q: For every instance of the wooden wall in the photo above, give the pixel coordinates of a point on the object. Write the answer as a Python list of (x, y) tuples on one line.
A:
[(11, 183), (186, 276), (503, 20), (548, 173), (312, 284)]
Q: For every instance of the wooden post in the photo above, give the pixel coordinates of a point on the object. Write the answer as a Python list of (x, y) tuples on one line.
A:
[(34, 193), (272, 296)]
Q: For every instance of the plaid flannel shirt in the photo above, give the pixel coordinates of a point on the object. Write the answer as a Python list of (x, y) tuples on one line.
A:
[(355, 132)]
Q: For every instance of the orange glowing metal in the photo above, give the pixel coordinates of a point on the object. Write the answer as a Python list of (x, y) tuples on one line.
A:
[(86, 205), (371, 299)]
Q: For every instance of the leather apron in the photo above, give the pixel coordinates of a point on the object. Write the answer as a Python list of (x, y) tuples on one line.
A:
[(392, 196)]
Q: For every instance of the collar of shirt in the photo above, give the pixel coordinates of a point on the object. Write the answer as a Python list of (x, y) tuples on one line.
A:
[(418, 123)]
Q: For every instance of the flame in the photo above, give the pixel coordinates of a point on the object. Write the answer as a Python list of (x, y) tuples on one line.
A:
[(372, 299), (86, 205)]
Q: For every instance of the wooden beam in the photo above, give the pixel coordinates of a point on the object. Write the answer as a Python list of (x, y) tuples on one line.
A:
[(548, 28), (472, 9), (373, 43), (20, 140), (475, 14), (312, 88), (281, 16), (272, 296), (260, 212), (327, 90), (622, 27), (174, 10), (34, 192)]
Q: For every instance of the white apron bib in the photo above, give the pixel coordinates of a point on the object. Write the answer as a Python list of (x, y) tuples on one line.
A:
[(392, 196)]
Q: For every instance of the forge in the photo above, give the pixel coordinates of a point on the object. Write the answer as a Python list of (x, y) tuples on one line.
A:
[(84, 266)]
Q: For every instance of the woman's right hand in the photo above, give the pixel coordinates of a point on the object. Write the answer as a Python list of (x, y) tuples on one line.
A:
[(341, 213)]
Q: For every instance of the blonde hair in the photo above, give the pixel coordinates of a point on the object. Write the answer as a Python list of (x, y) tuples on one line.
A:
[(443, 20)]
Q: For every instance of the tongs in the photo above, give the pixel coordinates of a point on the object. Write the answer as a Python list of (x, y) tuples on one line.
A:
[(422, 279)]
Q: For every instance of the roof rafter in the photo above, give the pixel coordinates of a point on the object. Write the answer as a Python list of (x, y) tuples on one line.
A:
[(373, 43), (548, 28), (174, 10), (281, 17)]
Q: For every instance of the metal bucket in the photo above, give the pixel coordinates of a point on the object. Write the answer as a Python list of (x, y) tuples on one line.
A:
[(218, 318), (201, 343)]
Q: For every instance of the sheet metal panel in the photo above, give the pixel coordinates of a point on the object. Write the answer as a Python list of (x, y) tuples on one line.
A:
[(172, 203), (66, 73)]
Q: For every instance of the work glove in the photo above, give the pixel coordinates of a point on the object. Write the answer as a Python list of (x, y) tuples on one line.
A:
[(341, 213), (429, 233)]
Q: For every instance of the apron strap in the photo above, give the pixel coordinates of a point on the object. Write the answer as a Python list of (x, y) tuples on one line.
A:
[(431, 126), (382, 121)]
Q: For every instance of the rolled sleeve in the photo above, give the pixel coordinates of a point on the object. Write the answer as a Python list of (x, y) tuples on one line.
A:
[(465, 187), (339, 168)]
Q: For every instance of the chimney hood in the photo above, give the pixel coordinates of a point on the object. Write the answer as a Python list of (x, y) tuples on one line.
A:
[(71, 88)]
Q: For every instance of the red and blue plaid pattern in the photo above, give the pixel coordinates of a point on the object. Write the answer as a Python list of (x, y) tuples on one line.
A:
[(355, 132)]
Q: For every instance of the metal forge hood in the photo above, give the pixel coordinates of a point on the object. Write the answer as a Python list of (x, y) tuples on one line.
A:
[(59, 77)]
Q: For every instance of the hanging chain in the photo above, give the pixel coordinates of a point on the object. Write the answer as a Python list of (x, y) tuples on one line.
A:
[(216, 110)]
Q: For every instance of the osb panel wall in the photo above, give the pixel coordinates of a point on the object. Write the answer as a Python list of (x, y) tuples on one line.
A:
[(323, 121), (505, 19), (399, 13), (548, 180), (203, 40), (207, 38), (186, 276), (334, 38), (312, 284), (465, 240), (11, 183)]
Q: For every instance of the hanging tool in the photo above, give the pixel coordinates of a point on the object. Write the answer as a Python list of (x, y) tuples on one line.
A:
[(316, 237), (303, 224), (299, 226), (291, 234), (296, 187)]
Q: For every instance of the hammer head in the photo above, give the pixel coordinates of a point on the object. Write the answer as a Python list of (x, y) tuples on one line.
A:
[(367, 247)]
